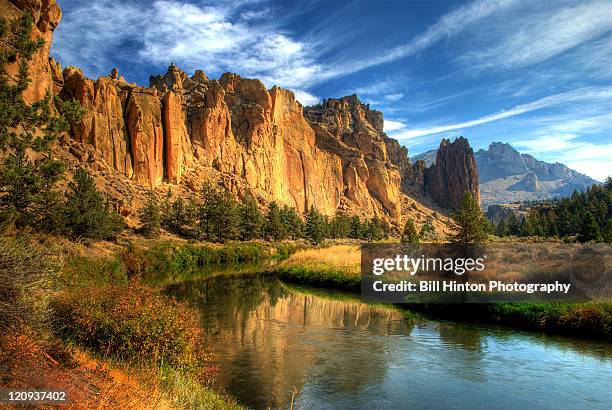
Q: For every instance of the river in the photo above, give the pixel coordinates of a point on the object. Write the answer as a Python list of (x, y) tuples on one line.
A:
[(275, 343)]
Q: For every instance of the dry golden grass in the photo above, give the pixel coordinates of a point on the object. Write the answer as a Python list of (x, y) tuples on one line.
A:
[(342, 258)]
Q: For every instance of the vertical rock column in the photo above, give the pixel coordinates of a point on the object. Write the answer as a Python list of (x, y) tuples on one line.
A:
[(144, 120), (176, 140)]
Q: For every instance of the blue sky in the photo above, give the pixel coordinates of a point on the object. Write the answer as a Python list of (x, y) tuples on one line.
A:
[(535, 74)]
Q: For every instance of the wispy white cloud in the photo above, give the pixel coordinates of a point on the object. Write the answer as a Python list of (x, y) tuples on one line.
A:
[(376, 87), (391, 125), (394, 97), (593, 159), (305, 98), (445, 27), (89, 39), (221, 36), (537, 36), (574, 96)]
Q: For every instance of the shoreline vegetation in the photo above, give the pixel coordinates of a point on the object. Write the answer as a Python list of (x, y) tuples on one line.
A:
[(337, 267), (91, 316), (106, 309), (92, 319)]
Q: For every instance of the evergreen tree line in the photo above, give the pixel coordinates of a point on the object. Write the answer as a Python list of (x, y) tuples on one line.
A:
[(29, 197), (216, 215), (585, 216)]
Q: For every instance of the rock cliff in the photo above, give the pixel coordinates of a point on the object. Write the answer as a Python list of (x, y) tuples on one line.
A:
[(46, 15), (351, 131), (182, 130), (449, 177), (454, 173)]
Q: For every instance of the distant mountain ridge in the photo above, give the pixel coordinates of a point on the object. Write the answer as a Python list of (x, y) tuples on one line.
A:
[(506, 175)]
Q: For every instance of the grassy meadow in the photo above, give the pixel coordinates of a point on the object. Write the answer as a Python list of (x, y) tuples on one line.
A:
[(338, 267)]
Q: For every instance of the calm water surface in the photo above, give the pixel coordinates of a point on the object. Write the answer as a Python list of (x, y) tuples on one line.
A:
[(274, 339)]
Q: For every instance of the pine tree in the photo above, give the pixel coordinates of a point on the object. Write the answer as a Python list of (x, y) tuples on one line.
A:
[(29, 173), (374, 231), (251, 220), (274, 227), (150, 217), (526, 228), (292, 222), (514, 226), (176, 217), (428, 230), (607, 233), (502, 228), (356, 228), (165, 209), (85, 212), (590, 230), (315, 226), (472, 222), (410, 234), (340, 226), (226, 223), (208, 212)]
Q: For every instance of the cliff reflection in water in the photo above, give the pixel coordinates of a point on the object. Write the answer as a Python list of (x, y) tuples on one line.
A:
[(271, 339)]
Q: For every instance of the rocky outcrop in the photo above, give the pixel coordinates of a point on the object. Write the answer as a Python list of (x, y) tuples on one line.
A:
[(496, 213), (398, 155), (349, 129), (529, 183), (177, 142), (454, 173), (184, 130), (506, 175), (46, 15), (102, 124), (447, 177), (144, 120)]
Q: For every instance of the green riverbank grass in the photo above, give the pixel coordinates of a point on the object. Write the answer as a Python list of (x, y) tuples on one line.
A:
[(105, 305), (338, 268)]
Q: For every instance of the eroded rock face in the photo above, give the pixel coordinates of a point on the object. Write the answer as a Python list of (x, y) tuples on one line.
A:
[(349, 129), (176, 139), (183, 130), (46, 15), (144, 120), (102, 124), (454, 173), (239, 127)]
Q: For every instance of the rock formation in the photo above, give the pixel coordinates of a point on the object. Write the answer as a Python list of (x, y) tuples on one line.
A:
[(46, 15), (529, 183), (449, 177), (506, 175), (353, 132), (454, 173), (183, 130)]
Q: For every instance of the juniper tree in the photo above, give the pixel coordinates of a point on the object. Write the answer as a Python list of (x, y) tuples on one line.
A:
[(410, 234), (251, 219), (86, 214), (373, 230), (590, 230), (607, 233), (340, 226), (292, 221), (275, 229), (28, 172), (502, 228), (471, 221), (356, 228), (428, 230), (150, 217), (315, 226)]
